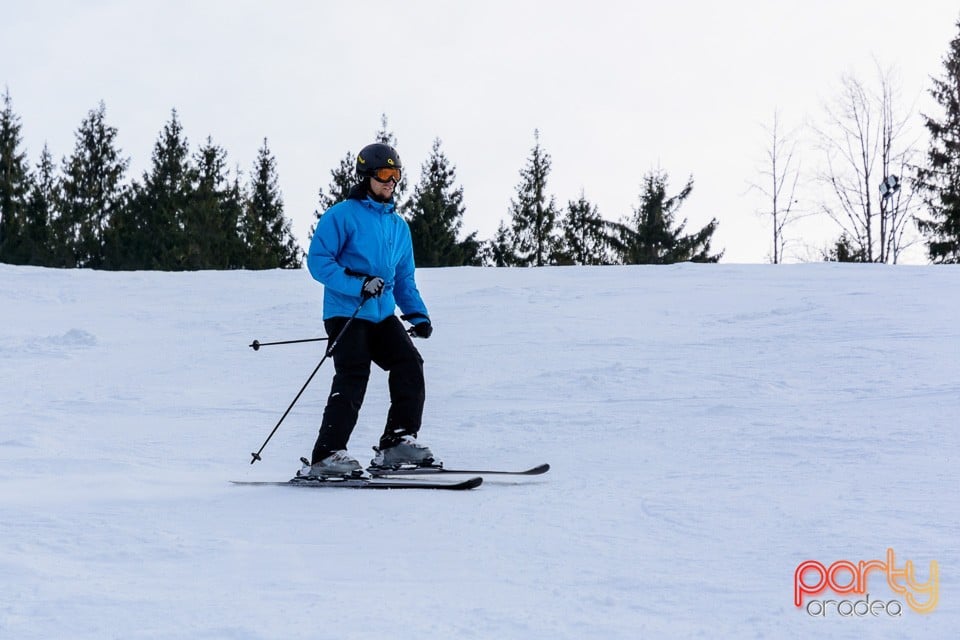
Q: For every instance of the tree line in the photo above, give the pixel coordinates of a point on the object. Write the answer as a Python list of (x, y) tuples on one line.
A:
[(187, 211), (190, 211), (539, 231)]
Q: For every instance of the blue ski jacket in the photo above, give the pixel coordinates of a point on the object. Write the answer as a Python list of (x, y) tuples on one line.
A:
[(361, 237)]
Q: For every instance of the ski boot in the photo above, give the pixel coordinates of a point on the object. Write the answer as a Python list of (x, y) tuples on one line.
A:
[(338, 464), (404, 451)]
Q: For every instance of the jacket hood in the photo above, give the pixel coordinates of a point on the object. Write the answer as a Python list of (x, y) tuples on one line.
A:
[(358, 191)]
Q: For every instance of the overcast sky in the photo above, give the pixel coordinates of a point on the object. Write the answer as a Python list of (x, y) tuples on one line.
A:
[(616, 88)]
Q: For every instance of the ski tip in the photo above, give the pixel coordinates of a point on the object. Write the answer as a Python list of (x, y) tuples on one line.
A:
[(536, 471), (471, 483)]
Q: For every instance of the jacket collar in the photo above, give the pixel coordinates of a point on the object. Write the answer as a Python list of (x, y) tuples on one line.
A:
[(378, 207)]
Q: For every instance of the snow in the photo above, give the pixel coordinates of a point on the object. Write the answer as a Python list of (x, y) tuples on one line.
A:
[(710, 428)]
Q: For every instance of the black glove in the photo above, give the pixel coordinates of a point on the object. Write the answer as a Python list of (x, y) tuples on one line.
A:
[(372, 287), (422, 330)]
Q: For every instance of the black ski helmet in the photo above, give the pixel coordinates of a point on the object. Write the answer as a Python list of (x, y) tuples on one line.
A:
[(377, 156)]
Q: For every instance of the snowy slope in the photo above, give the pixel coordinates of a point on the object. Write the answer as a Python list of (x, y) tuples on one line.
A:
[(709, 427)]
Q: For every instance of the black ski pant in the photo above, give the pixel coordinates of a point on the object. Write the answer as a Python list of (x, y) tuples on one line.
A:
[(387, 344)]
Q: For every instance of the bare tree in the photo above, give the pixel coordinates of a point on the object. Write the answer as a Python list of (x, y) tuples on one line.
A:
[(864, 148), (781, 176)]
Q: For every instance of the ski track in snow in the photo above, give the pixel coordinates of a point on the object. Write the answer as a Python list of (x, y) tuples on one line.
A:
[(709, 428)]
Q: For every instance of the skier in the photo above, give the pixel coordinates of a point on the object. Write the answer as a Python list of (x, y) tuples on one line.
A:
[(362, 252)]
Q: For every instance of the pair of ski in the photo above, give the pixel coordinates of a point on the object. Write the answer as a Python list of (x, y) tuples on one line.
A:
[(381, 478)]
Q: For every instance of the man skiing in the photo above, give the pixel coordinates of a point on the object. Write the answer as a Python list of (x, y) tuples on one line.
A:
[(362, 253)]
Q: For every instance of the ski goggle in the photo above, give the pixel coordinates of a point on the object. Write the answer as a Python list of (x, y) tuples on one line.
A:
[(386, 174)]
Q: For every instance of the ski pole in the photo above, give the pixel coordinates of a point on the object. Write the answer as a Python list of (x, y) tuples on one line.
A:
[(256, 344), (330, 348)]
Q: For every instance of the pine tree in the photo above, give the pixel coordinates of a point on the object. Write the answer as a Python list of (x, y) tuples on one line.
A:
[(498, 252), (14, 181), (39, 212), (652, 235), (845, 250), (342, 179), (93, 192), (939, 181), (436, 215), (385, 136), (213, 213), (265, 230), (534, 216), (585, 235), (149, 233)]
